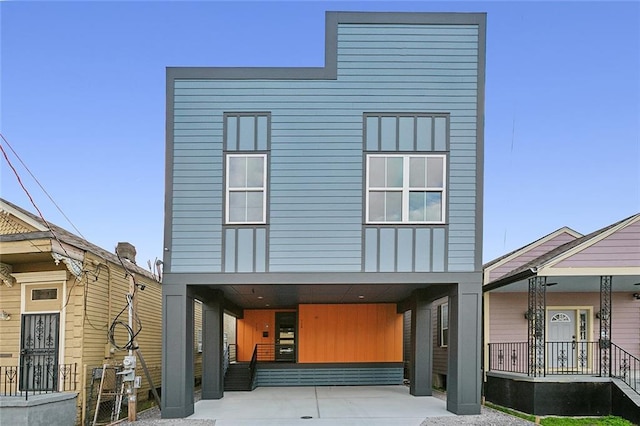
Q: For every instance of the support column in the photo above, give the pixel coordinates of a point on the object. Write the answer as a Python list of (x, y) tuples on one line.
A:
[(464, 378), (212, 346), (605, 326), (536, 317), (421, 357), (177, 351)]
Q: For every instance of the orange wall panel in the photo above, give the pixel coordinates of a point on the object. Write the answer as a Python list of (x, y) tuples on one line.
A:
[(330, 333), (249, 331), (250, 328), (349, 333)]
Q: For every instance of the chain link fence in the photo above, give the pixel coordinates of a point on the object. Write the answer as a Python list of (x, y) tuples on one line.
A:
[(106, 399)]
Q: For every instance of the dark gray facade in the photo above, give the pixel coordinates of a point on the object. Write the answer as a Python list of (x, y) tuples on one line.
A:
[(397, 90)]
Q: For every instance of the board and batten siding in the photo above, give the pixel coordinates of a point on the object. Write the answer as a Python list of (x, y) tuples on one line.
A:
[(315, 202)]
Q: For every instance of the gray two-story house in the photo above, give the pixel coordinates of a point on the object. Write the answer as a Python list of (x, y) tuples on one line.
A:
[(321, 206)]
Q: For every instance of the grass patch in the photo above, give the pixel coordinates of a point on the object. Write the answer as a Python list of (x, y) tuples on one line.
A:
[(585, 421), (511, 412), (564, 421)]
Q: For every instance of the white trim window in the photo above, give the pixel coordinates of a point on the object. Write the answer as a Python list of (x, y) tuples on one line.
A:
[(443, 328), (246, 189), (406, 188)]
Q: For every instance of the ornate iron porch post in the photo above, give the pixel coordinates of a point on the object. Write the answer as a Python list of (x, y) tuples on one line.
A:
[(536, 322), (605, 325)]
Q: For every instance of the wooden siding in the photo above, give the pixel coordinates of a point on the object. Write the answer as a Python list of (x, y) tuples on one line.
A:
[(316, 176), (620, 249), (349, 333), (506, 318), (105, 298), (528, 255), (323, 376), (10, 330)]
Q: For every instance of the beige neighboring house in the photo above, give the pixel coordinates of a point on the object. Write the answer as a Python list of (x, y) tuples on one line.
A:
[(562, 324), (60, 296)]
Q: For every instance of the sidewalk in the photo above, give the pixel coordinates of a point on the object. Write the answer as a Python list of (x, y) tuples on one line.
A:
[(327, 405)]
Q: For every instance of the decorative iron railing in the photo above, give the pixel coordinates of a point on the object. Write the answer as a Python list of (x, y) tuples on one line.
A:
[(37, 379), (568, 358), (625, 367)]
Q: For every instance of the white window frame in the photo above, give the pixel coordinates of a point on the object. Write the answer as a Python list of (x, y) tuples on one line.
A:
[(444, 316), (405, 189), (262, 188)]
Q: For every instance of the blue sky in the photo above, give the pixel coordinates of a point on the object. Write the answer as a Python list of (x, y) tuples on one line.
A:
[(82, 101)]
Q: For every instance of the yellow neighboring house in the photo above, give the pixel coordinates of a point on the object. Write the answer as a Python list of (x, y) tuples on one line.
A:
[(64, 311)]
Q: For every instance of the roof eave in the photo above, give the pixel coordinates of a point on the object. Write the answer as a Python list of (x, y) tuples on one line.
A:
[(503, 282)]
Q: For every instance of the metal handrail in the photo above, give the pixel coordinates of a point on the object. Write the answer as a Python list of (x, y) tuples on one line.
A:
[(562, 358), (268, 352), (625, 367), (38, 379), (225, 359), (569, 358), (252, 365), (233, 352)]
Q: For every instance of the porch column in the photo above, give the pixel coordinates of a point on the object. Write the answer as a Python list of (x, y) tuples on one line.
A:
[(212, 346), (605, 325), (421, 357), (536, 325), (464, 376), (177, 351)]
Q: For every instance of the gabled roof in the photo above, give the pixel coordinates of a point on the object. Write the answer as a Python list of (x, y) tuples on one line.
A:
[(515, 254), (532, 267), (56, 232)]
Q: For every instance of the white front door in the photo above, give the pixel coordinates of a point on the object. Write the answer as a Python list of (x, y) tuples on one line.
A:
[(561, 340)]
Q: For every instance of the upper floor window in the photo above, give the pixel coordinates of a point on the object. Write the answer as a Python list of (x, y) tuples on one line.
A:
[(412, 132), (246, 142), (247, 131), (246, 191), (405, 188)]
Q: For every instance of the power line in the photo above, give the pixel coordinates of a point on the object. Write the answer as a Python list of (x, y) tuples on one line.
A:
[(40, 185), (6, 157)]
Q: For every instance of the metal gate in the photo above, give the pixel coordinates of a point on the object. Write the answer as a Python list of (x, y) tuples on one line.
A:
[(39, 352)]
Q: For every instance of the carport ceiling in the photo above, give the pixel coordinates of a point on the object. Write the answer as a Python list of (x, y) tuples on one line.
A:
[(265, 296)]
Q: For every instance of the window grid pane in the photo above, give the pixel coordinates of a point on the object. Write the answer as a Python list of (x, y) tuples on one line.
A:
[(405, 188), (246, 131), (246, 188)]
